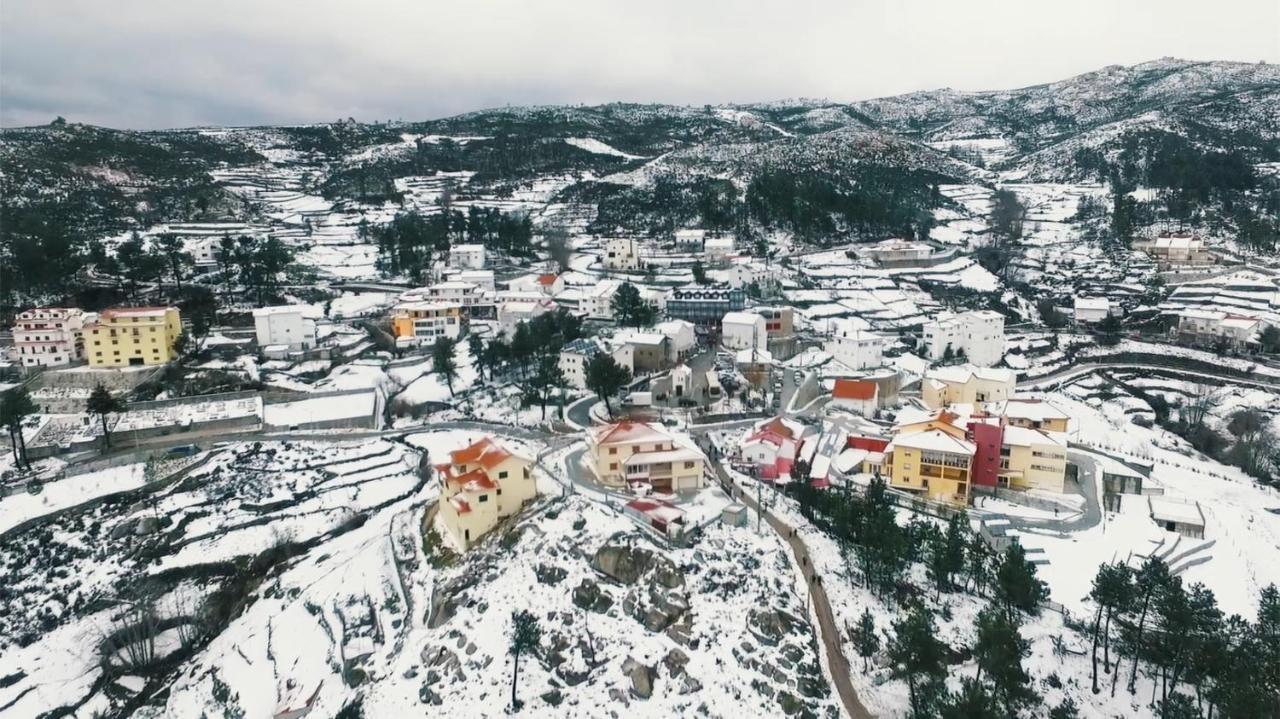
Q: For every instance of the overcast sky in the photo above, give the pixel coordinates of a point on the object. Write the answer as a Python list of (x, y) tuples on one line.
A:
[(178, 63)]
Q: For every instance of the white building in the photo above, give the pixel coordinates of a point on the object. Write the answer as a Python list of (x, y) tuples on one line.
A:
[(466, 294), (597, 301), (681, 381), (898, 252), (575, 356), (853, 346), (743, 330), (718, 249), (51, 336), (203, 251), (690, 239), (284, 326), (513, 312), (681, 337), (1091, 310), (859, 396), (546, 283), (1208, 327), (621, 253), (467, 257), (480, 278), (978, 334)]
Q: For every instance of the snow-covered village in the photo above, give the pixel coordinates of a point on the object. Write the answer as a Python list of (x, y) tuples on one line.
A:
[(943, 404)]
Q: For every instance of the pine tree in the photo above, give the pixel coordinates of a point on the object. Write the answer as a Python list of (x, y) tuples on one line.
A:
[(525, 636), (1065, 710), (1016, 584), (103, 403), (546, 378), (977, 556), (475, 347), (865, 639), (15, 407), (1151, 577), (920, 658), (443, 361), (999, 652), (973, 702), (605, 377), (1112, 590)]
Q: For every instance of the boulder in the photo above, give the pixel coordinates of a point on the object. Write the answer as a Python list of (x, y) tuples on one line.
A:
[(147, 525), (549, 573), (769, 626), (675, 662), (623, 564), (641, 676), (587, 595), (122, 529)]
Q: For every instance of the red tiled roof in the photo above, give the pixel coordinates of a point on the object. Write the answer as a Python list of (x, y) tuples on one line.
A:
[(777, 426), (547, 279), (460, 503), (485, 452), (628, 431), (854, 389)]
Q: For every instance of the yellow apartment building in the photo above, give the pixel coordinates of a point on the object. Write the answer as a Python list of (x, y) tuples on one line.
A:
[(1033, 459), (933, 463), (132, 336)]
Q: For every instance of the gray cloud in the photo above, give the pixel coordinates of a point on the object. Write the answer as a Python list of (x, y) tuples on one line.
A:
[(152, 64)]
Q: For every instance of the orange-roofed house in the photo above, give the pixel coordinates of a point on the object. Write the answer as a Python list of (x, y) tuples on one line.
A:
[(482, 484), (635, 453), (858, 396)]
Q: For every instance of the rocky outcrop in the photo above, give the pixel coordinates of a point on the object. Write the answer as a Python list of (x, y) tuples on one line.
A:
[(642, 678)]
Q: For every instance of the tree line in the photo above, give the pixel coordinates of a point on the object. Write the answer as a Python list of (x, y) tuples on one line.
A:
[(879, 552), (412, 242)]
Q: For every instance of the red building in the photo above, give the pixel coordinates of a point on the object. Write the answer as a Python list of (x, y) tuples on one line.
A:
[(987, 440)]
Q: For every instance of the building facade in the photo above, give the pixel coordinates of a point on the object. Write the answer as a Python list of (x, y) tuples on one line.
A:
[(966, 384), (635, 453), (422, 323), (50, 336), (976, 336), (854, 347), (481, 485), (705, 306), (467, 257), (133, 336), (744, 330), (622, 253), (284, 326)]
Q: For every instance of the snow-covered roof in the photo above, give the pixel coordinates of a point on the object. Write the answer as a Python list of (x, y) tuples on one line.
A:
[(1093, 303), (1033, 410), (1027, 437), (1169, 509), (277, 310), (934, 440), (963, 373)]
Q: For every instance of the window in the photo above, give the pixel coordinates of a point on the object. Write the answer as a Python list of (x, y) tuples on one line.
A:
[(502, 475), (483, 498), (688, 465), (613, 465), (613, 450)]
